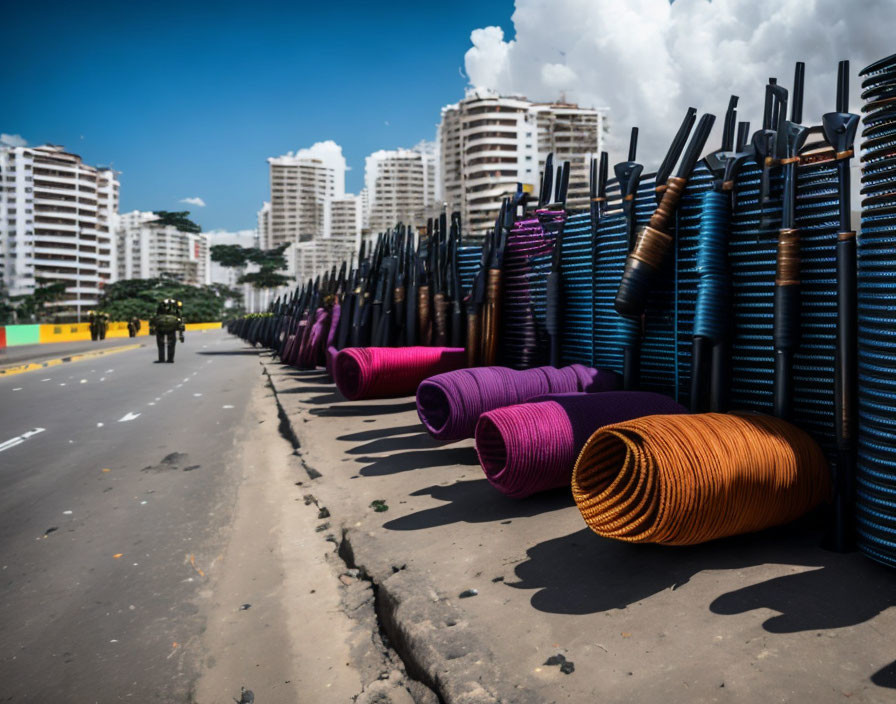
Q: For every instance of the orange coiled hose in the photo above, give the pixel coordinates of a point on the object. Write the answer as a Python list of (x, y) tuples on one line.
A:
[(686, 479)]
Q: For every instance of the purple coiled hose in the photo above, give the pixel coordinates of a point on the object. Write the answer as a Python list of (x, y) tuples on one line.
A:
[(450, 404), (532, 447)]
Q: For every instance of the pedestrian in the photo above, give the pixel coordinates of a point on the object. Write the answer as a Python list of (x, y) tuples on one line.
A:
[(102, 324), (166, 325), (133, 326)]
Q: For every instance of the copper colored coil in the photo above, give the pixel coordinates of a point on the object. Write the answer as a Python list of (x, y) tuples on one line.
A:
[(787, 272), (440, 320), (491, 317), (424, 322), (687, 479), (662, 216), (651, 247)]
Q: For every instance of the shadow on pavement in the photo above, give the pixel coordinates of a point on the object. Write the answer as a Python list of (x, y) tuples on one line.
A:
[(361, 410), (418, 441), (377, 433), (228, 353), (417, 459), (886, 676), (583, 573), (476, 501), (310, 390)]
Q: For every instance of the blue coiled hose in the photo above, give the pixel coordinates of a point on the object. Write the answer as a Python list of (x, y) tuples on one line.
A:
[(714, 282)]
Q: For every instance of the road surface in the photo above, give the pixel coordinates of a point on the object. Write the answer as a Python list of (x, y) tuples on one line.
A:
[(117, 487)]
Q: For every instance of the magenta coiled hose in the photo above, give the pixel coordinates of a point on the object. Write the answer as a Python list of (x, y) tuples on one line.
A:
[(532, 447), (381, 372), (450, 404)]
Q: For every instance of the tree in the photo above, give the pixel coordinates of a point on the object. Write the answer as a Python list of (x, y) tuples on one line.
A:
[(178, 219), (33, 306), (140, 297), (268, 261)]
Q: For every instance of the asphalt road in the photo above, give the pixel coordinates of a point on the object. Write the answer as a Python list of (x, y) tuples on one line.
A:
[(21, 354), (116, 493)]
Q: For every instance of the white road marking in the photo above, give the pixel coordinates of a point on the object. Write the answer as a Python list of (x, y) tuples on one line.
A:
[(197, 395), (109, 371), (67, 513), (18, 388), (151, 403), (186, 379), (227, 406), (99, 425), (102, 378), (47, 379), (62, 383), (128, 416), (83, 381), (178, 386), (19, 439)]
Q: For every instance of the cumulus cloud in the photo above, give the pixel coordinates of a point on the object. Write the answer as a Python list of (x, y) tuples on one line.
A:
[(198, 202), (13, 140), (648, 60)]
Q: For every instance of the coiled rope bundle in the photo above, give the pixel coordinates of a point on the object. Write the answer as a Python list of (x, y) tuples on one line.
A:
[(381, 372), (312, 348), (450, 404), (686, 479), (532, 447)]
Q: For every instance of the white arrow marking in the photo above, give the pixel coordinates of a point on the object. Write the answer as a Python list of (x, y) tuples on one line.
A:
[(128, 416), (19, 439)]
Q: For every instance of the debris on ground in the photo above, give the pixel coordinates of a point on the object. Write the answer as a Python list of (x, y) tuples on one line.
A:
[(379, 505)]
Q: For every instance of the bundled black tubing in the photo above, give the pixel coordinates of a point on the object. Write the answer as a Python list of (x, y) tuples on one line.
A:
[(653, 244), (840, 130), (787, 271)]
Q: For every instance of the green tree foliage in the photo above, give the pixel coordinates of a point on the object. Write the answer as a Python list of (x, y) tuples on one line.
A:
[(33, 307), (179, 219), (269, 262), (139, 297)]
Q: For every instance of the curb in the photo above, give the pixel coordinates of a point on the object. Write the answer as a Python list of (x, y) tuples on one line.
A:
[(34, 366)]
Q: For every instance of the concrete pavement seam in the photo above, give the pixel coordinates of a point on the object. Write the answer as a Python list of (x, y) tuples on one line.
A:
[(435, 643)]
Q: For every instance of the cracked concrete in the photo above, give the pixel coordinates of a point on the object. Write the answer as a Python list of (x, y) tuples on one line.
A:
[(561, 615)]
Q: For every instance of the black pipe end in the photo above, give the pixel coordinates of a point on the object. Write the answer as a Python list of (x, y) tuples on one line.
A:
[(631, 298)]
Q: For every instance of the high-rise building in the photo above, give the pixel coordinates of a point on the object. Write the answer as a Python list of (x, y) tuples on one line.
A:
[(264, 226), (340, 241), (57, 217), (401, 185), (489, 143), (300, 184), (147, 249)]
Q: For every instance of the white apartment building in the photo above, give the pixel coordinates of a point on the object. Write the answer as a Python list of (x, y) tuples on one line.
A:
[(401, 185), (57, 217), (300, 184), (228, 275), (489, 143), (147, 250), (264, 226), (340, 241)]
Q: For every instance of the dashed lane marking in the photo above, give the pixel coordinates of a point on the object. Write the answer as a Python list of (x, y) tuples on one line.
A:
[(19, 439)]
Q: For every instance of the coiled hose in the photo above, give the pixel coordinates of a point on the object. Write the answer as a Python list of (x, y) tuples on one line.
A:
[(532, 447), (311, 352), (686, 479), (381, 372), (450, 404), (714, 282)]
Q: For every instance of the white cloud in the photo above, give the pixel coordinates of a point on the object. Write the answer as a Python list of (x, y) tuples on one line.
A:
[(198, 202), (13, 140), (648, 60)]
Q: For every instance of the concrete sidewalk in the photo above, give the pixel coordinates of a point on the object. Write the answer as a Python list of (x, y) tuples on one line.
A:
[(492, 599)]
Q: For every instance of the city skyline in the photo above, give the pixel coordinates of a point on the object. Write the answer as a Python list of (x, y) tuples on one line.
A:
[(211, 111)]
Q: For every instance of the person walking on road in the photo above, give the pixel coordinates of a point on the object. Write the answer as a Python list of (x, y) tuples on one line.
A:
[(133, 326), (102, 324), (166, 325), (93, 323)]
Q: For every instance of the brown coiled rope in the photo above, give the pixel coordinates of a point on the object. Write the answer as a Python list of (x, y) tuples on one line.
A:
[(686, 479)]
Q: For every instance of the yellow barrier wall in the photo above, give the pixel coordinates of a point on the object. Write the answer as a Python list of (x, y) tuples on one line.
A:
[(69, 332)]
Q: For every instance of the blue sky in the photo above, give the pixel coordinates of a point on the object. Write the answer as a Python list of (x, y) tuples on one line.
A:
[(188, 99)]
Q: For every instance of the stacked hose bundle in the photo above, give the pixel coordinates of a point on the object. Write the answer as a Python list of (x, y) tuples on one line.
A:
[(313, 348), (527, 260), (532, 447), (450, 404), (687, 479), (876, 471), (380, 372), (467, 266), (577, 274)]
